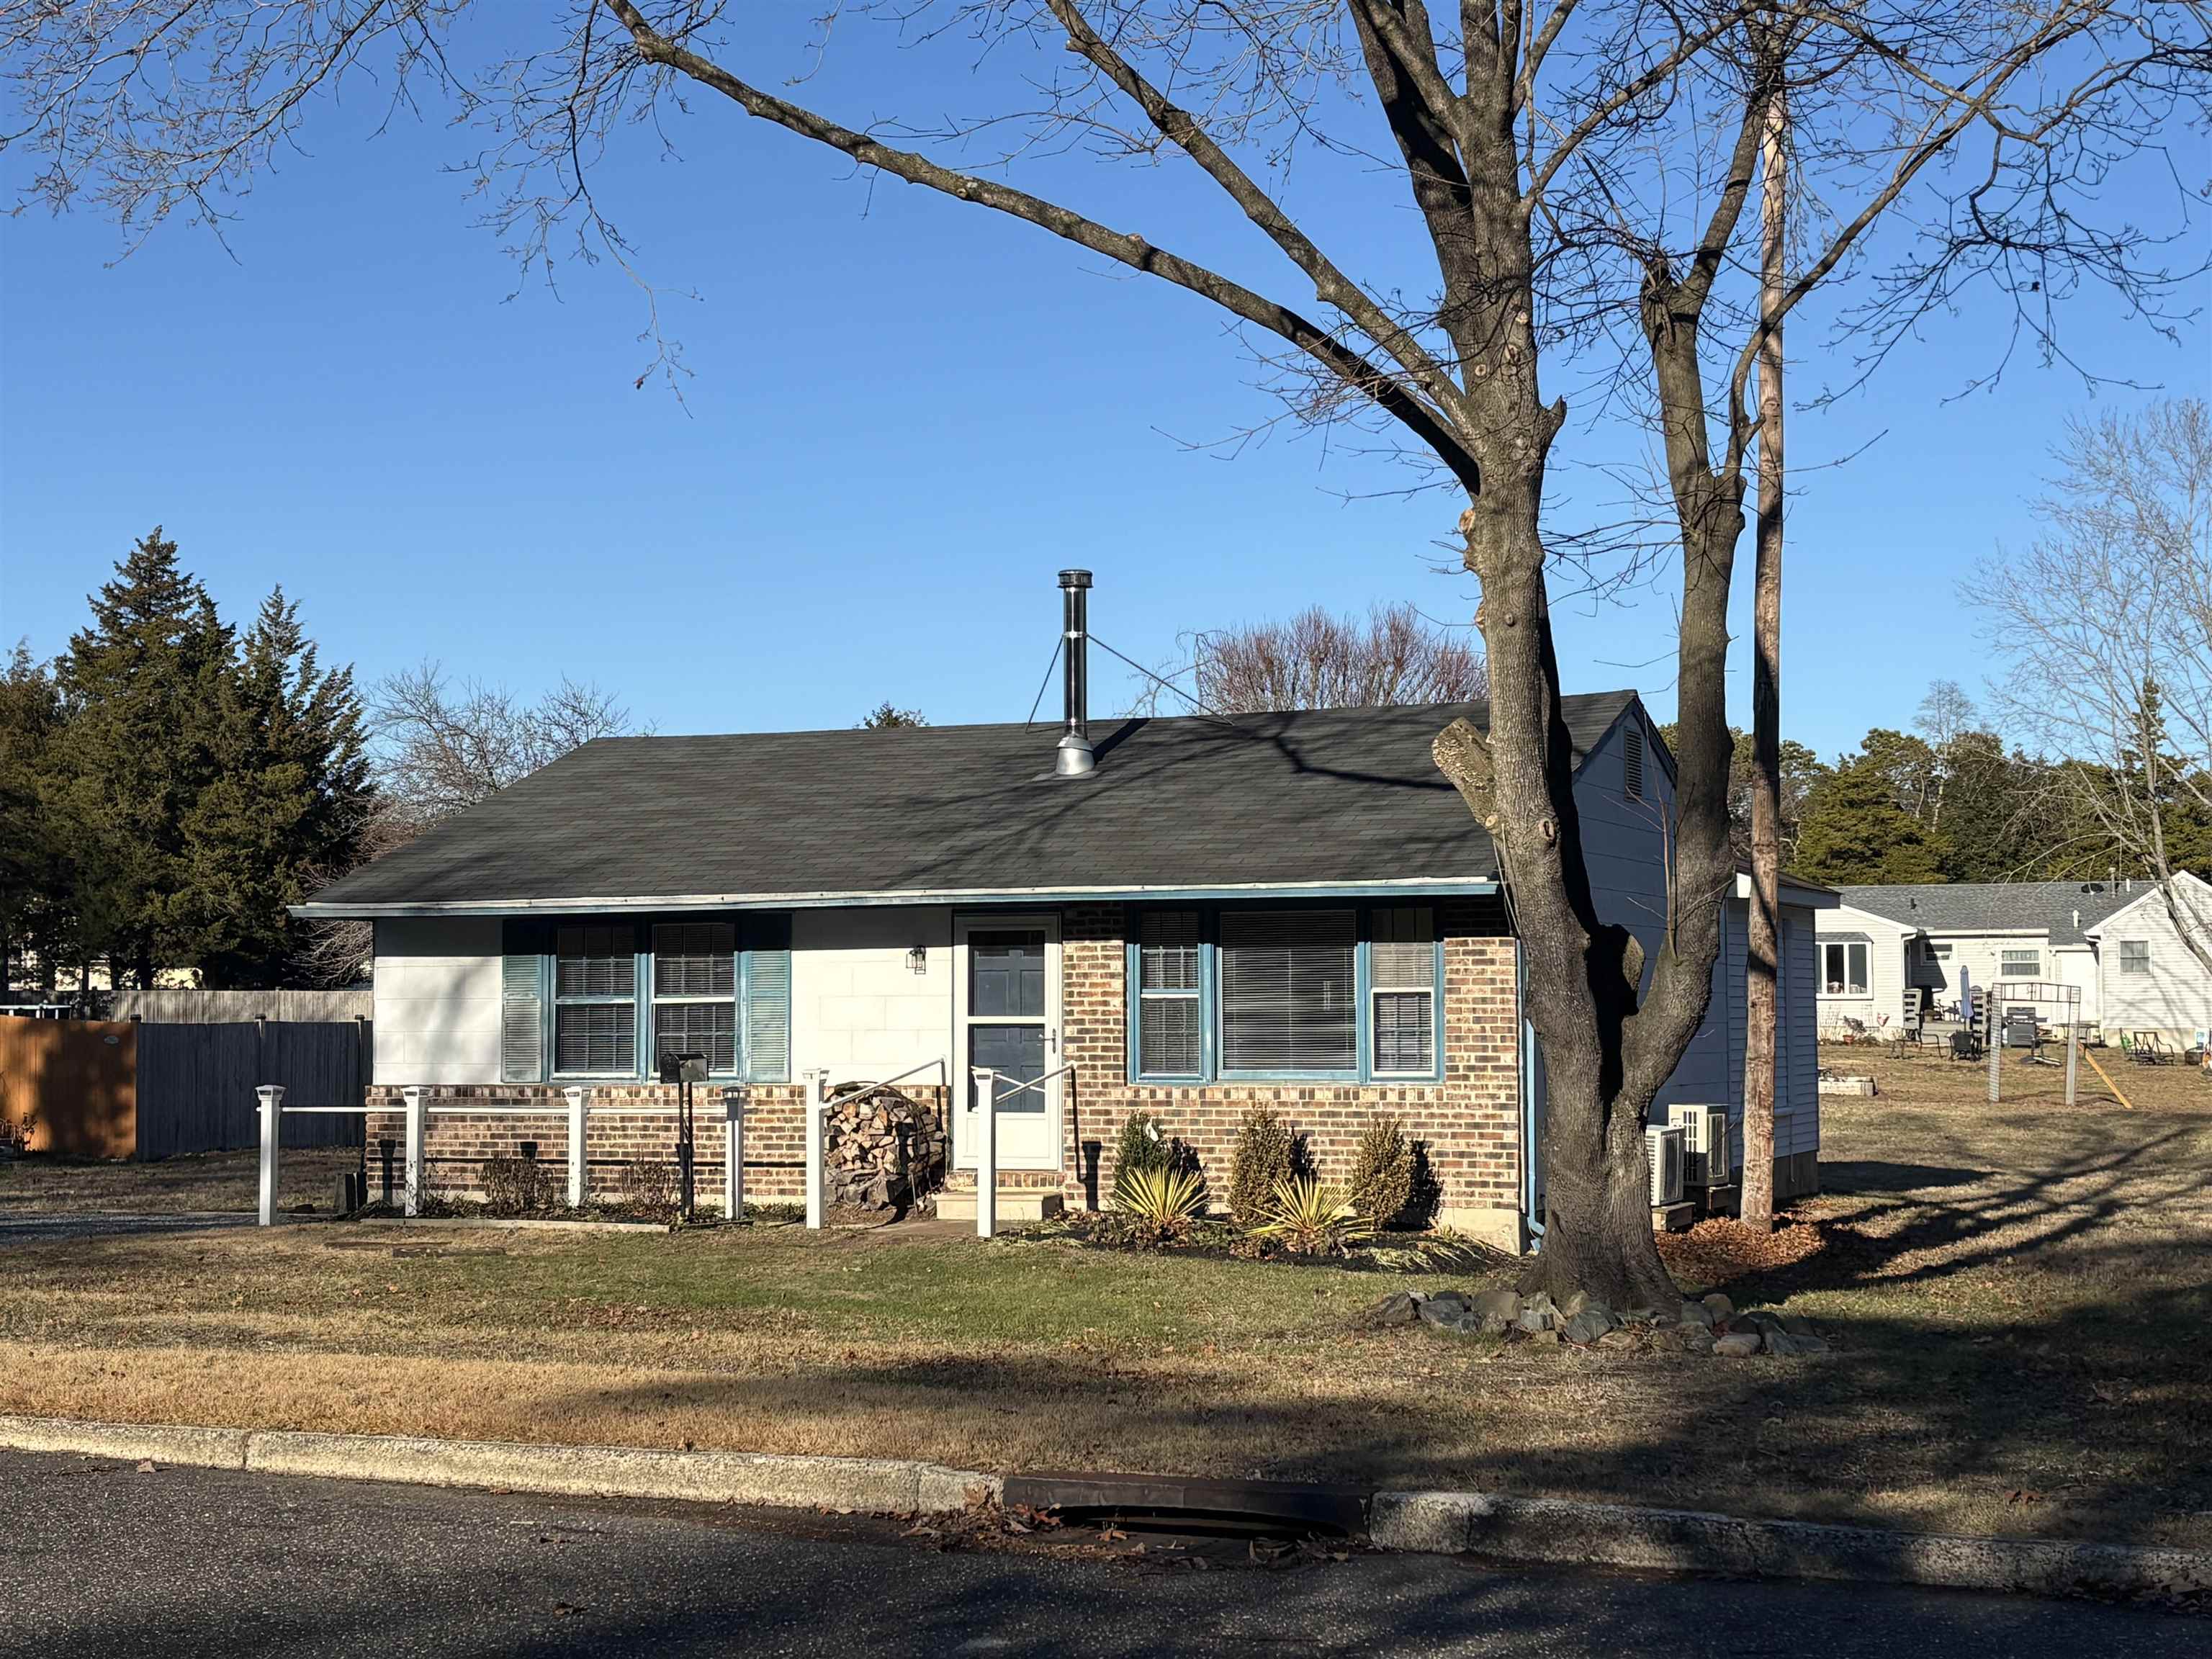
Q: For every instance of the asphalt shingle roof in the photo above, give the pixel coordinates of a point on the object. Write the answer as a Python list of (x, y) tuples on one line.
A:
[(1982, 906), (1329, 795)]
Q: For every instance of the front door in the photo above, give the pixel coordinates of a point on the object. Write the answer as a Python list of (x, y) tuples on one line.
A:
[(1009, 1020)]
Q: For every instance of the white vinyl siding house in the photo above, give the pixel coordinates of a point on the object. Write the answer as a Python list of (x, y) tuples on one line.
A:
[(1860, 965), (2110, 943), (2147, 978)]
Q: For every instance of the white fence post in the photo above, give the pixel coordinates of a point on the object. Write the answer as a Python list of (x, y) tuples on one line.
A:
[(987, 1151), (580, 1106), (733, 1154), (272, 1113), (417, 1115), (816, 1088)]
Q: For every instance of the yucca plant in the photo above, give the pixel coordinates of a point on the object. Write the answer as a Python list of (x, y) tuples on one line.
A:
[(1159, 1204), (1306, 1218)]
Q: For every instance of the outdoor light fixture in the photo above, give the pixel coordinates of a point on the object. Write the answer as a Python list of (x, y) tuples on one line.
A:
[(917, 960)]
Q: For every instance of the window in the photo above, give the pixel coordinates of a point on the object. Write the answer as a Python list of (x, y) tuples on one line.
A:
[(1941, 952), (2135, 956), (2019, 964), (695, 992), (1337, 992), (595, 1001), (1288, 991), (1168, 1039), (1844, 967), (1631, 763), (1402, 985)]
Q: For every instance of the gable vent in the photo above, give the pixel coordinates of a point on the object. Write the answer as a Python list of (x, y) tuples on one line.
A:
[(1631, 763)]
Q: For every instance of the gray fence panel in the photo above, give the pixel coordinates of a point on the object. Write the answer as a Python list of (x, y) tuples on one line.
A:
[(197, 1083)]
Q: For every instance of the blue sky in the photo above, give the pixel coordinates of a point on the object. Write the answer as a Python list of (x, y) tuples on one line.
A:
[(904, 417)]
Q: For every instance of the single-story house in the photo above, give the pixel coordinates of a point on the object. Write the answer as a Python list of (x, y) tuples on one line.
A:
[(1187, 916), (1892, 953)]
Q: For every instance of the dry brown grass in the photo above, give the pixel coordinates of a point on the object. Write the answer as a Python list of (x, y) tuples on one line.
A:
[(2018, 1298), (205, 1181)]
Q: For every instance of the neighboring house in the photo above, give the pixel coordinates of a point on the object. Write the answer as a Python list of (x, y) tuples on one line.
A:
[(1890, 953), (2148, 979), (1289, 909)]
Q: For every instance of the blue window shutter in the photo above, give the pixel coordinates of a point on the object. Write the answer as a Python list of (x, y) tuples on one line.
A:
[(767, 999), (521, 1003)]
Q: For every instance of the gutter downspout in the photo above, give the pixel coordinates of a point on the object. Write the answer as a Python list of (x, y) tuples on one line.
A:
[(1530, 1150)]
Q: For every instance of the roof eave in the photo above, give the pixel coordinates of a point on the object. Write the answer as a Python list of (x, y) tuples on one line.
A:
[(1424, 887)]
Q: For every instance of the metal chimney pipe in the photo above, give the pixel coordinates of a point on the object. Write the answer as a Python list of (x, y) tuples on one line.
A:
[(1073, 758)]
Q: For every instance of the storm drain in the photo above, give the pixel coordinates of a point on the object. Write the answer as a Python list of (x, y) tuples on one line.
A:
[(1206, 1509)]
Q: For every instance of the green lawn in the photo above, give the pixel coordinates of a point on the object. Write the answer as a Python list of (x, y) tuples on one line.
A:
[(2018, 1298)]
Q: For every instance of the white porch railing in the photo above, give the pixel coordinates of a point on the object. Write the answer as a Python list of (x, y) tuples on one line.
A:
[(988, 1101), (577, 1108)]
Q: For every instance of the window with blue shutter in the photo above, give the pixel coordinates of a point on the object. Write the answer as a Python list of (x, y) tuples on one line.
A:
[(768, 999), (522, 1003), (595, 973), (695, 993)]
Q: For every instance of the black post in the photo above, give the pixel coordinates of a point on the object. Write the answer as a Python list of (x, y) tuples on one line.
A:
[(1093, 1150), (385, 1146), (684, 1150)]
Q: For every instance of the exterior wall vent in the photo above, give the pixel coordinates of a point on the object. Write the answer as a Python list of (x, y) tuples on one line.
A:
[(1631, 763)]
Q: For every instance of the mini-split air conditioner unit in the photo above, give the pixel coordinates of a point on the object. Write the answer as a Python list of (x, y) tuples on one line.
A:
[(1706, 1161), (1662, 1151)]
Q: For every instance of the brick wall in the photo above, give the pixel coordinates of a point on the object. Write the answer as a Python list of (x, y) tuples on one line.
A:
[(456, 1141), (1470, 1121)]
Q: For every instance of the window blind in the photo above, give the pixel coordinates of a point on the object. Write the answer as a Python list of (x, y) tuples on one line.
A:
[(1401, 971), (1288, 991), (595, 1000), (1168, 1023), (695, 990)]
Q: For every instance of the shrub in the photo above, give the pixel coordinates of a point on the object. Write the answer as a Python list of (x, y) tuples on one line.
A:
[(649, 1184), (1158, 1206), (1306, 1218), (514, 1186), (1382, 1172), (1265, 1153), (1142, 1146)]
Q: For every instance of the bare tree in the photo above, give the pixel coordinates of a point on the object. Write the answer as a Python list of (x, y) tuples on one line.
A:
[(441, 746), (1394, 656), (1579, 170), (1762, 947), (438, 748), (2108, 622), (1946, 714)]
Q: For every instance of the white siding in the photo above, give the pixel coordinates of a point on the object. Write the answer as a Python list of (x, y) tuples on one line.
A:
[(1981, 955), (856, 1006), (437, 1000), (2175, 997), (1883, 1006), (2077, 966)]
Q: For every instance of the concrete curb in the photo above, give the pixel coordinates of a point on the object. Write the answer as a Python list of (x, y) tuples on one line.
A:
[(881, 1485), (1557, 1532), (1552, 1532), (135, 1442)]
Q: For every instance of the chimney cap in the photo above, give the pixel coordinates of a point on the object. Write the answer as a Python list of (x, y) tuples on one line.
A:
[(1075, 578)]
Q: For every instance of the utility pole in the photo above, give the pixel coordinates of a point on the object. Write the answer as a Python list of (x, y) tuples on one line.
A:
[(1763, 955)]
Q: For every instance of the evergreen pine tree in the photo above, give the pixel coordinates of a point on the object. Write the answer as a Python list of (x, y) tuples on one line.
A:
[(34, 912), (1854, 831), (141, 689), (286, 806)]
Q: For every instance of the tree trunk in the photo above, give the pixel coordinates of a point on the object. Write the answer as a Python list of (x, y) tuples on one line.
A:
[(1762, 944)]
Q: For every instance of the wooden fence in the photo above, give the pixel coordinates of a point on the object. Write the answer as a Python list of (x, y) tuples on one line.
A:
[(238, 1007), (73, 1083), (116, 1089)]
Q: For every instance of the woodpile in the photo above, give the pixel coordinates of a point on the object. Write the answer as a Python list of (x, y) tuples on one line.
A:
[(884, 1150)]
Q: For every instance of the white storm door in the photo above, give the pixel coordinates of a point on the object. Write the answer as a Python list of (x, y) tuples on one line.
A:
[(1007, 1017)]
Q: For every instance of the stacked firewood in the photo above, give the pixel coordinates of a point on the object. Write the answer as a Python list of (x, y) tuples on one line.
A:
[(884, 1150)]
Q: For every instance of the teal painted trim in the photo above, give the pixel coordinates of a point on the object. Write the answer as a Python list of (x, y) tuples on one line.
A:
[(1413, 1079), (1133, 987)]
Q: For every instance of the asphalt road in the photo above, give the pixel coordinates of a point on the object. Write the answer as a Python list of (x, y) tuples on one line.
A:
[(105, 1559), (46, 1227)]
